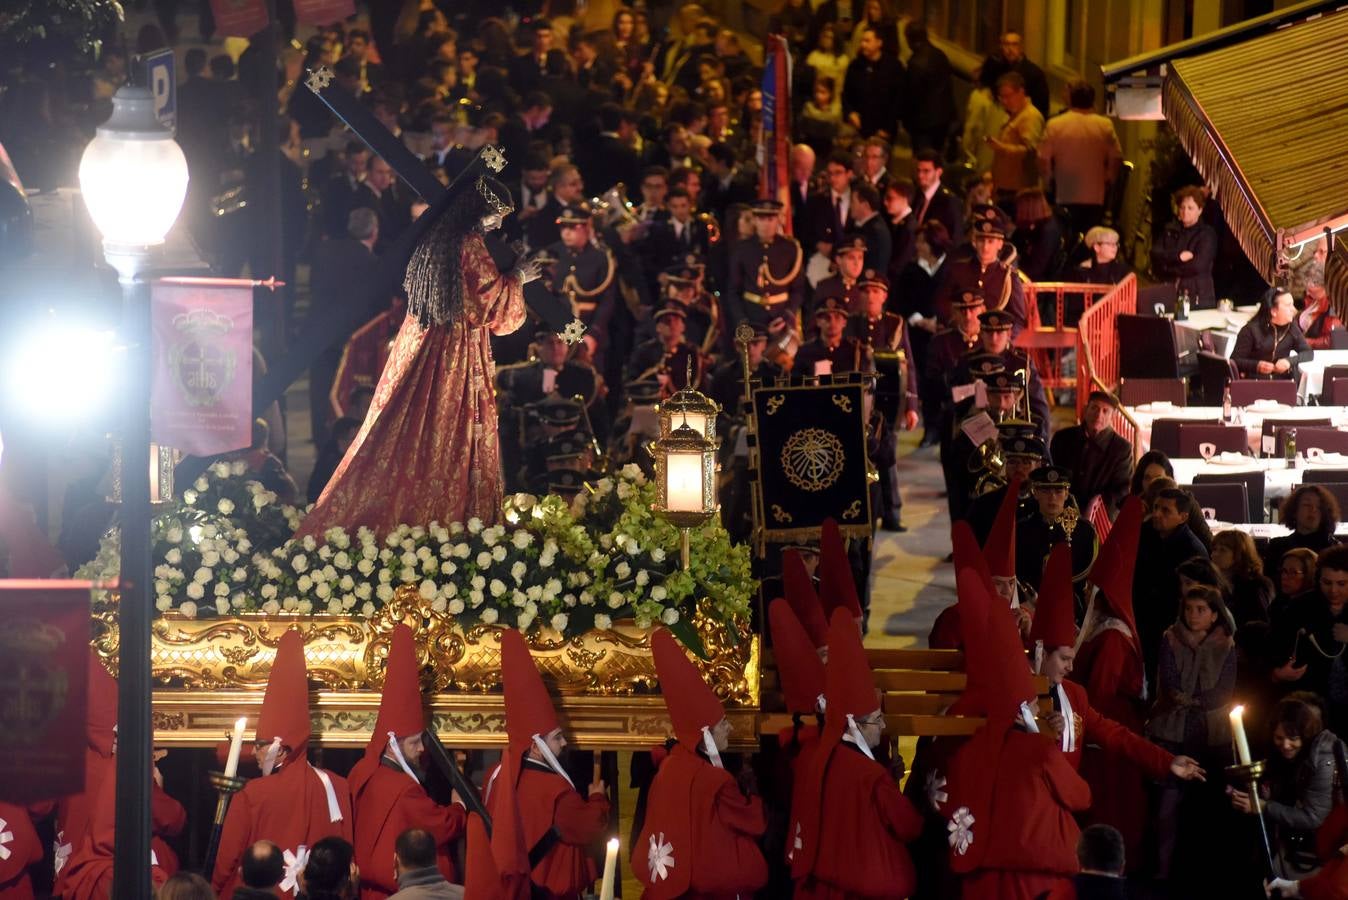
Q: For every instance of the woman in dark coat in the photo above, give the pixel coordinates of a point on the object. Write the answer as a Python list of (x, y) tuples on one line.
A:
[(1184, 252), (1265, 344), (1313, 515)]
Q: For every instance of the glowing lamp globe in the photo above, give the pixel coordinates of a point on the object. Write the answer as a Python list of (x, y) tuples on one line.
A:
[(133, 174), (685, 478)]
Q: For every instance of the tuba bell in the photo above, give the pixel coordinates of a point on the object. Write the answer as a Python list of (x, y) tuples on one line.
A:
[(613, 208)]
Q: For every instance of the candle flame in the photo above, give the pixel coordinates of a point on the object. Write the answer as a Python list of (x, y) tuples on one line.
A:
[(1238, 710), (242, 723), (613, 843)]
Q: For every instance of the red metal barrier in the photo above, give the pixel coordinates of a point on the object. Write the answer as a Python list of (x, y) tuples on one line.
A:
[(1099, 518), (1047, 344), (1098, 348)]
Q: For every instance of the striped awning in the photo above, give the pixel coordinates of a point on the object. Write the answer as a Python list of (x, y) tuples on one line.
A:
[(1265, 122)]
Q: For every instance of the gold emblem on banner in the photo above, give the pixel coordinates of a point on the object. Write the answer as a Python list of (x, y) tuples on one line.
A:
[(31, 679), (780, 514), (843, 402), (201, 367), (812, 459), (775, 403)]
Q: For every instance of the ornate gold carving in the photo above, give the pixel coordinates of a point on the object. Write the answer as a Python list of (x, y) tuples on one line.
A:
[(853, 510), (780, 514), (812, 459), (843, 402), (775, 403), (168, 721)]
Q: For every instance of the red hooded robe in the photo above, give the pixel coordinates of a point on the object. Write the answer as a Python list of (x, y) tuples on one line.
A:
[(700, 837), (19, 849), (292, 807), (72, 813)]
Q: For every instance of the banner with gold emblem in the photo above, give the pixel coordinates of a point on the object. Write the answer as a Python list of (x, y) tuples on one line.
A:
[(812, 460), (202, 393), (44, 655)]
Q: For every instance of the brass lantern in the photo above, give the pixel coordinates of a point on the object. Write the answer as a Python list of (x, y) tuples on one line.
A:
[(685, 477), (163, 460), (689, 407)]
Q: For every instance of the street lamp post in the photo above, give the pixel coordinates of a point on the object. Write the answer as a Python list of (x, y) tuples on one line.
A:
[(134, 178)]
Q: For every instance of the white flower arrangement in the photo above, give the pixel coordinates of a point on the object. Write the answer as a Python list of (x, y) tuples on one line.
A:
[(227, 548)]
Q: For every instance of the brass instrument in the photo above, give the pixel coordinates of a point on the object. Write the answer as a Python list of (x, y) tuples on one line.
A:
[(1068, 520), (601, 460), (713, 227), (613, 208)]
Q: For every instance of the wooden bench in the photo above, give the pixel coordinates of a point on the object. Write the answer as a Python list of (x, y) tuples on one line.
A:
[(917, 687)]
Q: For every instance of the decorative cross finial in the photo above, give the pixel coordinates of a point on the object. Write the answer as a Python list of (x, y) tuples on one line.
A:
[(318, 80), (572, 333), (744, 334), (493, 158)]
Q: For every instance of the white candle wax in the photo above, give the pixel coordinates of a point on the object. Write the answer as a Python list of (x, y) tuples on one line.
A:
[(684, 482), (610, 870), (235, 748), (1238, 733)]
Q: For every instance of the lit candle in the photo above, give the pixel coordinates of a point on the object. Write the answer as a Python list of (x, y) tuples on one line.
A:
[(1238, 732), (684, 482), (610, 870), (235, 748)]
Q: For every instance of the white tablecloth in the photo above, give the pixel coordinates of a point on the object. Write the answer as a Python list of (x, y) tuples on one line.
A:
[(1264, 531), (1313, 371), (1278, 479), (1253, 420), (1206, 319)]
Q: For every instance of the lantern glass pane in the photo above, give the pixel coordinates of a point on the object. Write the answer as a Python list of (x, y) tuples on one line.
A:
[(683, 482)]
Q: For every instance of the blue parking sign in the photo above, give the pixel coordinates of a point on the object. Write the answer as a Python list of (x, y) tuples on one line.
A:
[(163, 84)]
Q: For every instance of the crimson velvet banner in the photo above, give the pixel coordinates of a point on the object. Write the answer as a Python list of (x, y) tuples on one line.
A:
[(44, 655), (323, 12), (239, 18), (202, 389)]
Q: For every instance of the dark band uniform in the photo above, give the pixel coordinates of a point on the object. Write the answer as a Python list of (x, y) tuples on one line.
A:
[(701, 317), (1035, 537), (836, 285), (998, 282), (1014, 360), (983, 508), (959, 456), (848, 356), (767, 281), (652, 358), (585, 277), (947, 347), (888, 332)]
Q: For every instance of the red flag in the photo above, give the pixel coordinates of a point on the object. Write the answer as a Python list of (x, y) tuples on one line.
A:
[(239, 18), (202, 393), (323, 12), (44, 659), (774, 144)]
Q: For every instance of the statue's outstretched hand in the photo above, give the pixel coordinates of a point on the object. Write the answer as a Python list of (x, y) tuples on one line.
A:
[(527, 270)]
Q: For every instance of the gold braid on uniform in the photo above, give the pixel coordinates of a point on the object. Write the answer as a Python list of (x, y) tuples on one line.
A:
[(572, 287), (765, 278), (1009, 264)]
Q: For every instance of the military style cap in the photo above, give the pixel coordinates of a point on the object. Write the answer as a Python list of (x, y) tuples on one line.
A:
[(1031, 447), (1051, 476), (831, 306), (854, 244), (995, 320), (695, 262), (672, 309), (872, 278), (767, 207), (967, 300), (1009, 429), (558, 411), (1003, 383), (984, 365), (760, 330), (643, 392), (574, 214), (567, 445), (680, 274), (992, 225)]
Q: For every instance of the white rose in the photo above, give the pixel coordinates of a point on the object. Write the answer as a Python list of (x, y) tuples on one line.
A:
[(189, 497), (603, 622), (449, 590), (438, 605), (456, 528), (364, 591), (163, 604), (201, 484), (239, 601), (210, 558), (238, 467), (497, 587), (569, 599), (476, 598), (553, 587), (558, 622), (586, 598), (489, 537), (305, 607), (474, 525), (365, 567), (632, 472), (385, 576), (239, 574), (271, 607), (202, 575), (300, 562), (325, 553), (669, 616), (289, 603), (305, 583), (658, 592), (384, 593), (188, 609), (616, 600), (490, 615), (323, 591), (624, 490), (348, 601), (517, 598), (423, 552), (427, 590), (222, 590), (347, 583), (161, 588), (461, 551), (225, 506), (222, 606), (309, 543), (342, 560), (546, 559), (408, 559), (484, 560), (518, 571), (499, 553), (521, 539), (657, 555), (367, 610), (479, 582), (268, 592), (174, 535), (524, 621), (455, 606), (430, 566), (259, 501), (642, 578), (173, 557), (534, 592), (407, 576), (335, 607), (385, 555), (448, 568), (622, 569)]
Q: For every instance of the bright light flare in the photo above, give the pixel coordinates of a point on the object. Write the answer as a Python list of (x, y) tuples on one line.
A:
[(63, 372)]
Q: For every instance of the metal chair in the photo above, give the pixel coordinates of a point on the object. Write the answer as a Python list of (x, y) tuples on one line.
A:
[(1225, 438), (1147, 347), (1245, 391), (1214, 373), (1136, 391), (1254, 488), (1223, 501)]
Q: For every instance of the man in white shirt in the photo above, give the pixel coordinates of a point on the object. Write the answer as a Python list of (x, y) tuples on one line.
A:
[(1080, 155)]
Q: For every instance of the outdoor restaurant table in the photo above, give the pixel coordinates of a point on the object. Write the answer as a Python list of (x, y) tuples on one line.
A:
[(1279, 481), (1226, 324), (1252, 417), (1313, 371), (1264, 531)]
